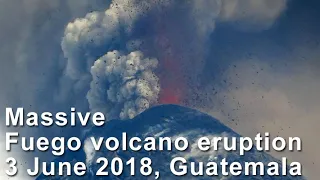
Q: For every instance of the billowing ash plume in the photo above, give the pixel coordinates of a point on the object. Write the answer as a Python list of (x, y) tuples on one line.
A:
[(123, 83), (121, 86), (88, 38), (174, 32)]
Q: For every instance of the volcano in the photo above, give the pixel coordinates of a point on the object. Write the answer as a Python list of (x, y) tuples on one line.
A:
[(166, 121)]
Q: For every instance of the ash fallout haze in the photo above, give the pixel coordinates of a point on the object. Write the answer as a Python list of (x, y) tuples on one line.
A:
[(252, 64)]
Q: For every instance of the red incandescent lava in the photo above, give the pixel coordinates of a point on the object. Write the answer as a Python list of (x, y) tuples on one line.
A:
[(168, 96), (171, 78), (171, 92)]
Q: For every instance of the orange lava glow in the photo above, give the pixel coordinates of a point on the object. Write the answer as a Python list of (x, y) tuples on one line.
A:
[(171, 76), (172, 83), (171, 80), (168, 96)]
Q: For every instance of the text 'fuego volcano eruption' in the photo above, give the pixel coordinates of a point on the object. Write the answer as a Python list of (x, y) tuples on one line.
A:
[(139, 53)]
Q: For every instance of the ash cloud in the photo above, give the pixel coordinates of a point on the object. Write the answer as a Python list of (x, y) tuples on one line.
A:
[(173, 32), (123, 85)]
